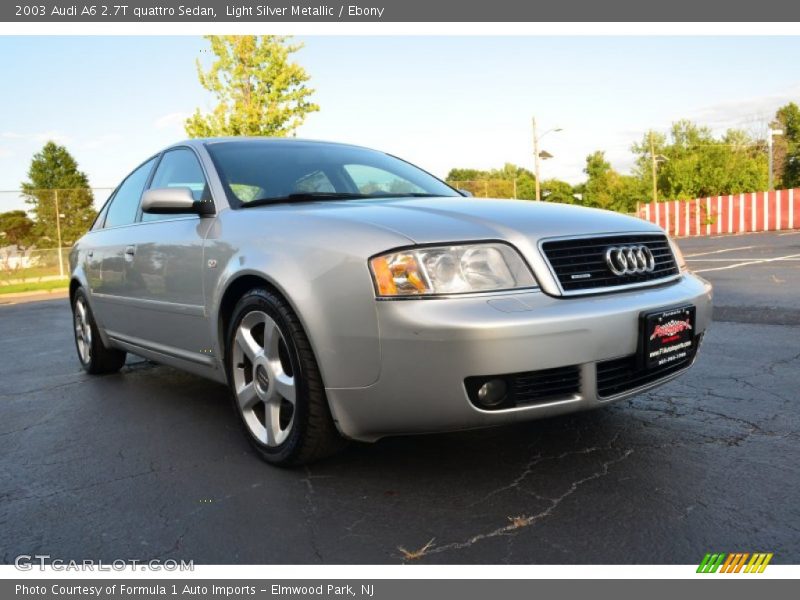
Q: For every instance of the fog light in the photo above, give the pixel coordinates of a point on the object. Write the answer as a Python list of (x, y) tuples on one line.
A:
[(492, 393)]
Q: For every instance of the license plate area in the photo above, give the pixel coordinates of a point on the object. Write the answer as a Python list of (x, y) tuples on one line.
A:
[(667, 337)]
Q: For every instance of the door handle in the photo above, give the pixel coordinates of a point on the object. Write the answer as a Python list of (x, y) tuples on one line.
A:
[(129, 252)]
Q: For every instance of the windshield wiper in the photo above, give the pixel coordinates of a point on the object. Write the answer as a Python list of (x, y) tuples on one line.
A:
[(304, 197), (414, 195), (314, 196)]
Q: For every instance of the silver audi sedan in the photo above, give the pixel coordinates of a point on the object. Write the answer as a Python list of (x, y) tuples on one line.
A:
[(343, 293)]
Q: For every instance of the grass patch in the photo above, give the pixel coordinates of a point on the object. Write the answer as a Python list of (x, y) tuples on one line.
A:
[(35, 286)]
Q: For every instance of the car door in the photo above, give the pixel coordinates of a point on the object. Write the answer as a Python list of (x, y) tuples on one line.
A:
[(163, 260), (105, 257)]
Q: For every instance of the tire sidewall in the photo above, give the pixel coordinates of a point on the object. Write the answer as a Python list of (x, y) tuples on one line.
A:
[(264, 301)]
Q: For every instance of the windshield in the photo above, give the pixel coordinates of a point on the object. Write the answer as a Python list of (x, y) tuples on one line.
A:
[(261, 171)]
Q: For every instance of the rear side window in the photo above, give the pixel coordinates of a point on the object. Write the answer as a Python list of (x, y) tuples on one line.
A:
[(178, 168), (125, 204), (100, 219)]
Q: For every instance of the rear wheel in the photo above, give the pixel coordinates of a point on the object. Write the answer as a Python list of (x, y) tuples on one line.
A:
[(277, 387), (94, 356)]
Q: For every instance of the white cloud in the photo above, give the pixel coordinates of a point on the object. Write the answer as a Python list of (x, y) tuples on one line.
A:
[(752, 113), (101, 141), (5, 152), (38, 137), (171, 120)]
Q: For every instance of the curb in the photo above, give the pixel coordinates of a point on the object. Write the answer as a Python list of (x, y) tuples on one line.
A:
[(20, 297)]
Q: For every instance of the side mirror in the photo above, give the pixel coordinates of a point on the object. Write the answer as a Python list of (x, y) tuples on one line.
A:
[(466, 193), (175, 201)]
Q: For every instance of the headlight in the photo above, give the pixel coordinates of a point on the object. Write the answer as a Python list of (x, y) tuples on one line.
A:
[(676, 252), (456, 269)]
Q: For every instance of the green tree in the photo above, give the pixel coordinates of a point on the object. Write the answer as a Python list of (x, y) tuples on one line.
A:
[(693, 163), (555, 190), (466, 174), (608, 189), (54, 177), (16, 229), (787, 146), (510, 181), (259, 90)]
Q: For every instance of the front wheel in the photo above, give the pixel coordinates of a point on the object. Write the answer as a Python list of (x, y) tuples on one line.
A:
[(95, 357), (277, 387)]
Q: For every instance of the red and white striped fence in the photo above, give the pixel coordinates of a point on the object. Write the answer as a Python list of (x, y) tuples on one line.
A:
[(732, 213)]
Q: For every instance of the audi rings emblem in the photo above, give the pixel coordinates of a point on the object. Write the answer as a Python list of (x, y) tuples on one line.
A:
[(630, 260)]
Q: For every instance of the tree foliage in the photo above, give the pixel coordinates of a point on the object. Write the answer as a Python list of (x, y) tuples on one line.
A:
[(16, 229), (54, 176), (693, 163), (606, 188), (555, 190), (509, 182), (787, 146), (258, 89)]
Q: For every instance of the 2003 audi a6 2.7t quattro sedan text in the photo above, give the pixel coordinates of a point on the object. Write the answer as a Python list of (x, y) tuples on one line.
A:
[(344, 293)]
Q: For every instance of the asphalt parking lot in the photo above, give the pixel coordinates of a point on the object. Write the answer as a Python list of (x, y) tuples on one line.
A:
[(150, 463)]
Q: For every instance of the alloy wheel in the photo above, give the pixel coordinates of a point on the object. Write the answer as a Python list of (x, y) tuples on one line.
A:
[(264, 379), (83, 332)]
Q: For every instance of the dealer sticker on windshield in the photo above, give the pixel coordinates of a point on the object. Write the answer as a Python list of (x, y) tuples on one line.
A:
[(668, 336)]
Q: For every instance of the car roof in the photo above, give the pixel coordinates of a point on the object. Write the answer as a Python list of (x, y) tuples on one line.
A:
[(266, 140)]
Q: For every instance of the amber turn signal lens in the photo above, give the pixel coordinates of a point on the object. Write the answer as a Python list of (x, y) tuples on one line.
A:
[(398, 274), (383, 277)]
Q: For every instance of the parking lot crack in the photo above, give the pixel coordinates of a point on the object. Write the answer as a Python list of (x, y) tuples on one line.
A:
[(89, 486), (310, 512), (516, 523), (26, 428), (782, 363), (48, 388), (750, 384)]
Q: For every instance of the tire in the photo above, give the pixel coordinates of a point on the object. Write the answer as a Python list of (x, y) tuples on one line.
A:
[(93, 355), (276, 386)]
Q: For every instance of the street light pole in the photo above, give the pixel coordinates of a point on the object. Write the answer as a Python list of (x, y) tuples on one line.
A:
[(58, 232), (536, 160), (537, 155), (653, 167), (770, 133)]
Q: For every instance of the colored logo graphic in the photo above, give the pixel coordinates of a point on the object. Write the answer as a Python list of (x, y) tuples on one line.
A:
[(735, 562), (670, 329)]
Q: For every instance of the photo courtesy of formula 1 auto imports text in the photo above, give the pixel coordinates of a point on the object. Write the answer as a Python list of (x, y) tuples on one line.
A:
[(390, 300)]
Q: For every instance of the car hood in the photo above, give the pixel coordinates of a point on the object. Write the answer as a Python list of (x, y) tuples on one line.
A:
[(365, 228), (453, 219)]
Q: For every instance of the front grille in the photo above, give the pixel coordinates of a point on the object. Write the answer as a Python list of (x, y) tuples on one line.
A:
[(624, 374), (580, 266), (531, 387)]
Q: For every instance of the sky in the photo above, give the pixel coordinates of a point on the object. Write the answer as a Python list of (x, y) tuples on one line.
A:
[(437, 101)]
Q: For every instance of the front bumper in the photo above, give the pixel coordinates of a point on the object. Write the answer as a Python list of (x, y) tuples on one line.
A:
[(429, 347)]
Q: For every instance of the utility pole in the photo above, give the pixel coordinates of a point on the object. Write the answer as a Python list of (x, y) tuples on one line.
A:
[(537, 155), (536, 161), (58, 232), (653, 162), (769, 147)]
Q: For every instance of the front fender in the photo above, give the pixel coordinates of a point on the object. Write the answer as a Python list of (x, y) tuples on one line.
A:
[(328, 286)]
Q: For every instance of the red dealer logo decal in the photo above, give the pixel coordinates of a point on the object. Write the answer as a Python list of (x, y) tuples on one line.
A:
[(669, 329)]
